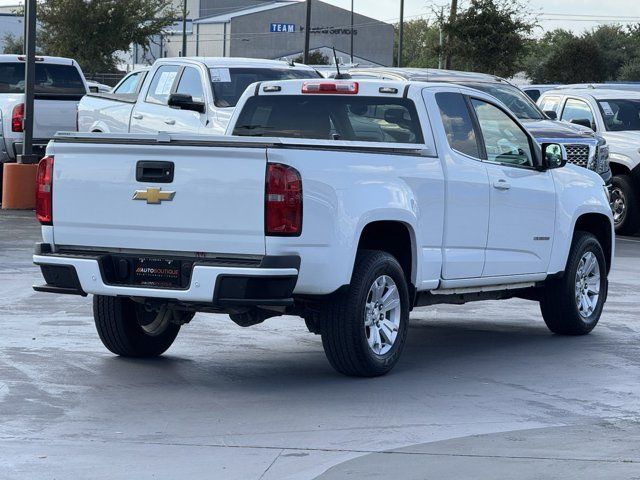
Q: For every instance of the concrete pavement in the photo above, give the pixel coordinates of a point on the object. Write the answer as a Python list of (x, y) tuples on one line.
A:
[(263, 403)]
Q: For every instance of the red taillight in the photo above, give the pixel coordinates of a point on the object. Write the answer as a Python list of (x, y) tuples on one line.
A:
[(346, 88), (44, 191), (283, 201), (17, 118)]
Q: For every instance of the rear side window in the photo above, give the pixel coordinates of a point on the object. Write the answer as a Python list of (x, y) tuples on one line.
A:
[(331, 117), (230, 83), (160, 87), (457, 123), (130, 83), (51, 79), (534, 94)]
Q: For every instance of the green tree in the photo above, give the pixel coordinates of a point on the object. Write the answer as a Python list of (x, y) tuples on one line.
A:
[(573, 60), (490, 36), (630, 71), (608, 52), (538, 52), (616, 46), (12, 44), (315, 58), (93, 31), (420, 45)]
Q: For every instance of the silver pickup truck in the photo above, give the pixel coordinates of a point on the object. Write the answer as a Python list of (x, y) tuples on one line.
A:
[(185, 95)]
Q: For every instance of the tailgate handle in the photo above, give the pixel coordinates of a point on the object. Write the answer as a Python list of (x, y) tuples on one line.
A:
[(154, 172)]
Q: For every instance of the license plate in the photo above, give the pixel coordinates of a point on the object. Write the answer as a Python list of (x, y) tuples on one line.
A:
[(157, 272)]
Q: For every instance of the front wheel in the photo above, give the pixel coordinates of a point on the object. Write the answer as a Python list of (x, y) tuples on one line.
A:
[(127, 329), (364, 329), (625, 205), (572, 304)]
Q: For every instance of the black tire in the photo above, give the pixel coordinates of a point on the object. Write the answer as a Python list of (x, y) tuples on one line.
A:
[(558, 302), (118, 321), (624, 190), (343, 330)]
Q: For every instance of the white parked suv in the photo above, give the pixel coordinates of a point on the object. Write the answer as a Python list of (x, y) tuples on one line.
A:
[(614, 115), (59, 87), (346, 203)]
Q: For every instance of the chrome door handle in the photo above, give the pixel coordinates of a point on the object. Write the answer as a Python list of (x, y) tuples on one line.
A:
[(170, 121), (501, 185), (137, 116)]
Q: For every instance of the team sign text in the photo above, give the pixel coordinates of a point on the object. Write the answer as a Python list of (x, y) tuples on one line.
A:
[(282, 27)]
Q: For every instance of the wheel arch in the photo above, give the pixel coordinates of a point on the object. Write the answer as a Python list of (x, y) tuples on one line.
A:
[(396, 238), (600, 226), (619, 169)]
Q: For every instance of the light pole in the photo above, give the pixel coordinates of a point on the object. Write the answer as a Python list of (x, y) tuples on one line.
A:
[(19, 179), (400, 33), (352, 32), (307, 32), (29, 82), (448, 61), (184, 28)]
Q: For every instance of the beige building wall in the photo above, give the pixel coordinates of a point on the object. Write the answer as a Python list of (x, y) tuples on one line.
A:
[(212, 40), (193, 7)]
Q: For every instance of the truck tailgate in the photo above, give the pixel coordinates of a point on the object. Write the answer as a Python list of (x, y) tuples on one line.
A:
[(51, 116), (217, 204)]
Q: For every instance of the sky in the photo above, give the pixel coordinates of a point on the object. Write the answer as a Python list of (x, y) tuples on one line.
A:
[(574, 15)]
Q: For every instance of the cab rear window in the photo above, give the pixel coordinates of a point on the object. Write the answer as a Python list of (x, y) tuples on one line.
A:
[(51, 79), (331, 117)]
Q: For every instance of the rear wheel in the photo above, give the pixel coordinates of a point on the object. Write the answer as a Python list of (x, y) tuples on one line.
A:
[(364, 329), (127, 329), (625, 205), (572, 304)]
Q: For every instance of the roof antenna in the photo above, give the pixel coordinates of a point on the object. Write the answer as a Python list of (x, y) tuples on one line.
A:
[(339, 76)]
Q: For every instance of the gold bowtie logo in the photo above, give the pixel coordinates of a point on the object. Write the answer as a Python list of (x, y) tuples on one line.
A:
[(154, 195)]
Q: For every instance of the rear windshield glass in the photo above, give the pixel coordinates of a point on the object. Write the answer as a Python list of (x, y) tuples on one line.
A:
[(331, 117), (620, 115), (230, 83), (51, 79), (515, 99)]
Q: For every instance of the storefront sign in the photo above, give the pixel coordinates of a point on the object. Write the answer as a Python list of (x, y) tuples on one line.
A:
[(282, 28)]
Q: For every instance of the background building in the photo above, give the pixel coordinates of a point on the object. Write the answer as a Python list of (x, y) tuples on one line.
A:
[(275, 29), (257, 29)]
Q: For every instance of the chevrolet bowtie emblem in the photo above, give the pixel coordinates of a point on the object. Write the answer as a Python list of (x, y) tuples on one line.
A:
[(154, 195)]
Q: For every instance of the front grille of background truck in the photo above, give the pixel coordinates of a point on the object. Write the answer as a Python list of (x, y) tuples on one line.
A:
[(578, 154)]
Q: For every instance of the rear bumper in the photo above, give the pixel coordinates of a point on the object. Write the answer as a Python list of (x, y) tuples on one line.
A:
[(10, 148), (270, 283), (39, 147)]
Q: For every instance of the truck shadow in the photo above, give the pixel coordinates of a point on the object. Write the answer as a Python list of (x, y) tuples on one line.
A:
[(433, 349)]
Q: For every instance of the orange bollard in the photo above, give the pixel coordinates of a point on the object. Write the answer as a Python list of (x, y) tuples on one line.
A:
[(19, 186)]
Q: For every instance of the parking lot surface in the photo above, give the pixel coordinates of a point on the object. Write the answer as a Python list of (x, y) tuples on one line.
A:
[(482, 391)]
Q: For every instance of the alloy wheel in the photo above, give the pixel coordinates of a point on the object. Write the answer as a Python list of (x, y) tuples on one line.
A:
[(587, 290), (382, 315)]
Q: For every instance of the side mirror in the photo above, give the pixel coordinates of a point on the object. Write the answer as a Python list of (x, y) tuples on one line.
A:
[(585, 122), (94, 89), (553, 156), (185, 102), (551, 114)]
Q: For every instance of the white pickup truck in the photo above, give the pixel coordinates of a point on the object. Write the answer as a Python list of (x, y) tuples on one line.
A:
[(186, 95), (614, 115), (346, 203), (59, 87)]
